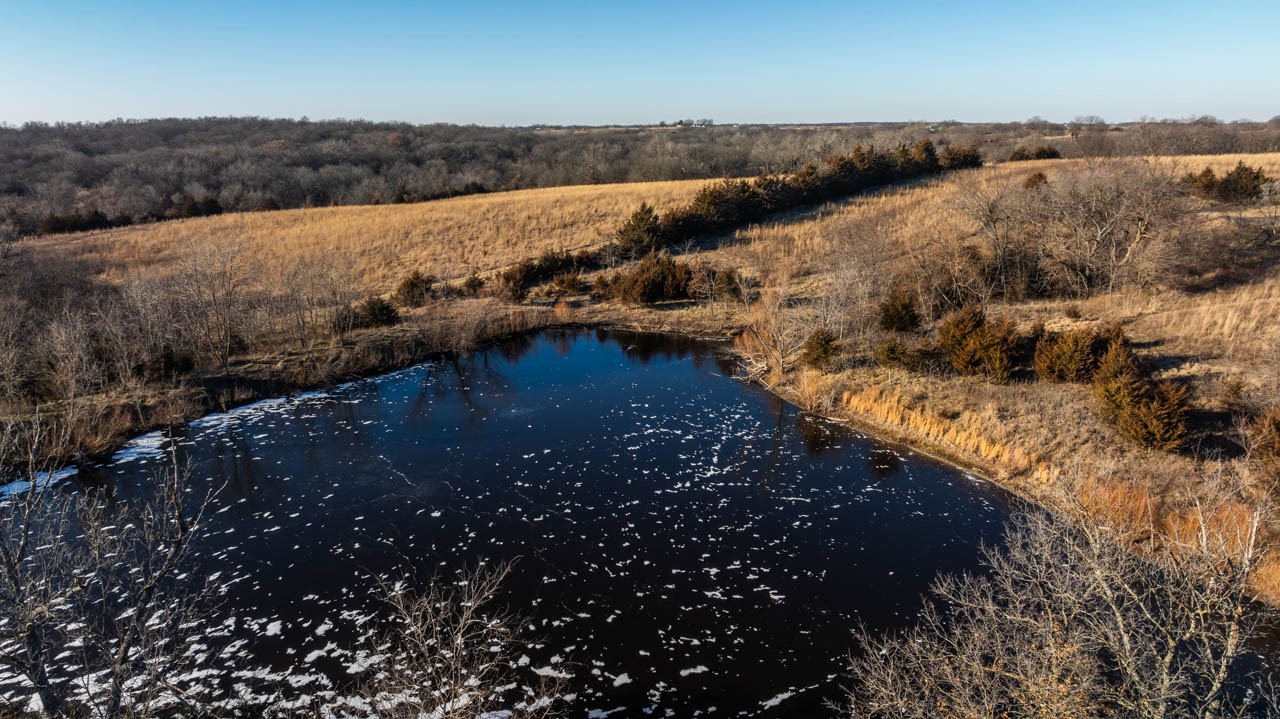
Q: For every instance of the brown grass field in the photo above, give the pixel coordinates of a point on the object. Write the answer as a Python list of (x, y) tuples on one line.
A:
[(1042, 439), (381, 243)]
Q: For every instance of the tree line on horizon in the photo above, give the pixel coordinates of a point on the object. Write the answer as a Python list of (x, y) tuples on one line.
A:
[(68, 177)]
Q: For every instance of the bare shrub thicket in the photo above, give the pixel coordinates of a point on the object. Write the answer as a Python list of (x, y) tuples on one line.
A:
[(773, 341), (97, 612), (1068, 622), (1109, 226), (450, 651)]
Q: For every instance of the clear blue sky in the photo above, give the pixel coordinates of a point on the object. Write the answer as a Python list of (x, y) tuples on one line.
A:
[(637, 62)]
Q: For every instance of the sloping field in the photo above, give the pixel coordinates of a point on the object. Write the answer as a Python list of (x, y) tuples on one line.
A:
[(901, 221), (382, 243)]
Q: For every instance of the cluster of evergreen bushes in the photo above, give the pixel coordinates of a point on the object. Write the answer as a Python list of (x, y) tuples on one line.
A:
[(1043, 152), (976, 345), (1241, 184), (732, 203), (726, 205), (968, 342), (514, 282), (415, 290), (1151, 413), (1147, 411), (657, 277)]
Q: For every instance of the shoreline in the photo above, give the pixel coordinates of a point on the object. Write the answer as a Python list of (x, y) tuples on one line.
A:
[(1030, 477)]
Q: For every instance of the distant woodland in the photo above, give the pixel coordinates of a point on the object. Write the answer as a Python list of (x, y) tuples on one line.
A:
[(71, 176)]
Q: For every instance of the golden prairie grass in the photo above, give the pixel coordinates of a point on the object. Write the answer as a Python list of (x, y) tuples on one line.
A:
[(1242, 322), (899, 221), (1040, 438), (1046, 440), (382, 243), (1268, 162)]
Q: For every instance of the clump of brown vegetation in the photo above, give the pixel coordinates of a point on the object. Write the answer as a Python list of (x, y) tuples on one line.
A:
[(1041, 152), (1243, 183), (656, 278), (820, 350), (1153, 414), (415, 290), (978, 346), (1070, 357), (898, 313)]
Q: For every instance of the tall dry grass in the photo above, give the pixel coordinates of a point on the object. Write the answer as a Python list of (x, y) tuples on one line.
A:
[(382, 243), (899, 221)]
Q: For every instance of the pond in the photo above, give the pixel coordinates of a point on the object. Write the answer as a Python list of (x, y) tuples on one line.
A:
[(686, 544)]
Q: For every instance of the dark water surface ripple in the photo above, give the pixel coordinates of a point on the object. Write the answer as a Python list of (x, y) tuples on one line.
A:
[(688, 545)]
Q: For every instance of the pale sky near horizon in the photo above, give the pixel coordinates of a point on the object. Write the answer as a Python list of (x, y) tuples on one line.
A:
[(495, 63)]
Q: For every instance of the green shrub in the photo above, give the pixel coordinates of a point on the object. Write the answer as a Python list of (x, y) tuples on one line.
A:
[(1120, 382), (473, 285), (921, 357), (166, 364), (641, 233), (1069, 357), (513, 282), (372, 312), (1241, 184), (551, 263), (415, 290), (1043, 152), (956, 157), (727, 285), (820, 350), (891, 352), (898, 313), (1153, 414), (957, 327), (377, 312)]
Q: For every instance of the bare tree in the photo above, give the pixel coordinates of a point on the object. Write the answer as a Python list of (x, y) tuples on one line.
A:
[(848, 303), (1109, 226), (450, 653), (214, 286), (70, 369), (13, 350), (996, 210), (774, 336), (1069, 622), (96, 615)]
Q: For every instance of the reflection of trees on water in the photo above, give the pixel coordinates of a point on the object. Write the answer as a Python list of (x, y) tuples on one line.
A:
[(884, 463), (817, 434), (645, 347), (514, 348)]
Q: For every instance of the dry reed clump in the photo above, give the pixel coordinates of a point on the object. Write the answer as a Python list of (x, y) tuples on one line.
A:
[(1266, 578), (446, 238), (965, 434), (1121, 507)]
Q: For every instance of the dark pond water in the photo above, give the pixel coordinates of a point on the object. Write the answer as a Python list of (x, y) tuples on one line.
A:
[(688, 545)]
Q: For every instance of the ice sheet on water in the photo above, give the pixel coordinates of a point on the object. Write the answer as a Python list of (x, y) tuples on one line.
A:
[(41, 482)]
